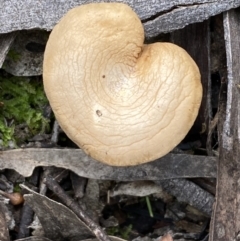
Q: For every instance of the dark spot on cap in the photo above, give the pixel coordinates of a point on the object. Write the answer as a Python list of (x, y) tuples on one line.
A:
[(99, 113)]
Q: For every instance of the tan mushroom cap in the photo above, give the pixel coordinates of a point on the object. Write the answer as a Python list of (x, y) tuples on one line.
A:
[(122, 102)]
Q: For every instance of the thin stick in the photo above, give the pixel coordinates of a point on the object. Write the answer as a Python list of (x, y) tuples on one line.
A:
[(95, 228)]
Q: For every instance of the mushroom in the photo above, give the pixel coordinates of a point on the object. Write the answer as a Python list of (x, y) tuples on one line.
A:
[(15, 198), (124, 103)]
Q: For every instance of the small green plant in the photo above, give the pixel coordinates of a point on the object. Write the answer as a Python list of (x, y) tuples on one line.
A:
[(17, 188), (149, 206), (21, 102), (123, 232), (112, 231), (6, 132)]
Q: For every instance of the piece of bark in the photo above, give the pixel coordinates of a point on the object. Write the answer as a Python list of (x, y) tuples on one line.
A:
[(5, 44), (167, 167), (195, 39), (25, 221), (157, 16), (4, 235), (90, 203), (185, 14), (225, 223), (188, 192), (79, 184)]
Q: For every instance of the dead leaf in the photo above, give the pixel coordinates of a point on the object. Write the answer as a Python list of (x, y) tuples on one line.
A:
[(139, 189), (58, 222), (170, 166)]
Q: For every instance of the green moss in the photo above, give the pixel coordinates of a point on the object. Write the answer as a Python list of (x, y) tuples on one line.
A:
[(126, 231), (120, 232), (12, 54), (17, 188), (21, 102)]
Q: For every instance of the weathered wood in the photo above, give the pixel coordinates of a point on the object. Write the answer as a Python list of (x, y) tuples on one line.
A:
[(167, 167), (5, 43), (157, 16), (195, 39), (226, 216), (4, 232), (182, 15)]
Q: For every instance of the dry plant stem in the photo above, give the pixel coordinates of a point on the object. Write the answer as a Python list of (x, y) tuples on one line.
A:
[(42, 190), (55, 133), (212, 127), (42, 184), (95, 228)]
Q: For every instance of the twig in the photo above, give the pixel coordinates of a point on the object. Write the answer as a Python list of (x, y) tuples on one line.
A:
[(183, 190), (95, 228)]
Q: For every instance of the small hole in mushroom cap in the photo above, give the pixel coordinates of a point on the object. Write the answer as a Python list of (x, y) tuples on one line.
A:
[(99, 113), (103, 76)]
